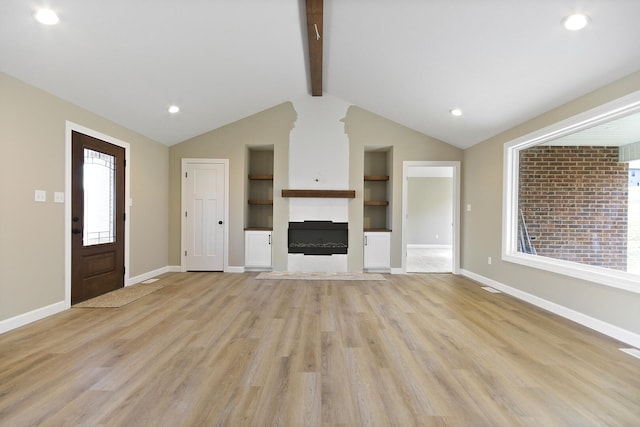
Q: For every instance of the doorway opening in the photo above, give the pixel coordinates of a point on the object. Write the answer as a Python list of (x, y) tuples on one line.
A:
[(430, 217)]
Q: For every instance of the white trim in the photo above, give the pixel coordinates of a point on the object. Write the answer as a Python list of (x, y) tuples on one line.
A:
[(183, 204), (456, 208), (239, 270), (590, 322), (602, 114), (398, 271), (32, 316), (149, 275), (42, 312), (631, 352), (69, 127), (410, 246), (377, 270), (616, 279)]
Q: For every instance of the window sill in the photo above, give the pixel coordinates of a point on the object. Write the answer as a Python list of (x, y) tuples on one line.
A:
[(615, 279)]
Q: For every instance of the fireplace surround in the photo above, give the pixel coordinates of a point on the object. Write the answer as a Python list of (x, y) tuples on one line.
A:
[(318, 237)]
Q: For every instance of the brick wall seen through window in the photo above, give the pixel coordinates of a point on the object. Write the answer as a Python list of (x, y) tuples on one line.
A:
[(574, 201)]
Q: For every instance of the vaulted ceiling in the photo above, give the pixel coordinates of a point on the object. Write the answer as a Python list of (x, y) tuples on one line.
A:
[(501, 61)]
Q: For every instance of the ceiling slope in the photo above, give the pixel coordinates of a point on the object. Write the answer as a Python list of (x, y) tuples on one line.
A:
[(501, 61)]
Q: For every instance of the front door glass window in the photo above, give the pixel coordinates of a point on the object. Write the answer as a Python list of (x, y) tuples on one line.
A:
[(99, 198)]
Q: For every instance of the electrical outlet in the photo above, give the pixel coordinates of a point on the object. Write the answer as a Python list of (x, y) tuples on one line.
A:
[(58, 197), (489, 260), (469, 207)]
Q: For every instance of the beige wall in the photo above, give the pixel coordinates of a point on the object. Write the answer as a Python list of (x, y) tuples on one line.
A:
[(482, 227), (32, 134), (270, 127), (273, 127), (429, 202), (32, 241), (367, 131)]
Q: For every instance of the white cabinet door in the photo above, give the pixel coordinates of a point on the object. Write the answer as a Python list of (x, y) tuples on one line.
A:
[(377, 250), (257, 249)]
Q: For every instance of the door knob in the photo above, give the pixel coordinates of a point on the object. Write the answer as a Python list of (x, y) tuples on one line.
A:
[(76, 231), (220, 222)]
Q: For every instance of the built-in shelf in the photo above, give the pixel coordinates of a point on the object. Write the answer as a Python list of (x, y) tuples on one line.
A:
[(338, 194), (259, 190), (376, 177), (376, 190), (381, 230), (259, 218), (258, 177)]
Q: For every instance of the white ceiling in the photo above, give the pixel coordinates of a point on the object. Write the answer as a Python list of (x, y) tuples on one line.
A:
[(501, 61)]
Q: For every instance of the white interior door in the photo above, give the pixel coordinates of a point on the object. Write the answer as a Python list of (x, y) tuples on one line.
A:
[(204, 215)]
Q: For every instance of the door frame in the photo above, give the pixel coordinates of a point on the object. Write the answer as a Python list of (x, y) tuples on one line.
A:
[(455, 165), (183, 207), (69, 128)]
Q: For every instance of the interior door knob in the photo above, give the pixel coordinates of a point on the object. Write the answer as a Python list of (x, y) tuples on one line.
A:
[(220, 222), (76, 231)]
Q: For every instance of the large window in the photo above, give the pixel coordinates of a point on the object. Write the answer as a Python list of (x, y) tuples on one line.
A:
[(571, 202)]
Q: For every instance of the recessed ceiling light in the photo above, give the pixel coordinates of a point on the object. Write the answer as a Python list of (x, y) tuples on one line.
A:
[(46, 17), (456, 112), (174, 109), (575, 22)]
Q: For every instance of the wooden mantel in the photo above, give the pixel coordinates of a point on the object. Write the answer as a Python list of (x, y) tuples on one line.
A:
[(337, 194)]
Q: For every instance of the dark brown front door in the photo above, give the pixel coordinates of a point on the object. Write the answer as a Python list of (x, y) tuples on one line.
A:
[(97, 215)]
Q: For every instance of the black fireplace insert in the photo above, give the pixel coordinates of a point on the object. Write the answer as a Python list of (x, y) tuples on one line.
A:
[(318, 237)]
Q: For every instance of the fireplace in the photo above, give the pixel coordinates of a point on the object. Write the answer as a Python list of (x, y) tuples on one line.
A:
[(318, 237)]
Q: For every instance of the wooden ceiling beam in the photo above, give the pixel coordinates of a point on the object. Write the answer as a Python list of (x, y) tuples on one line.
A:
[(314, 37)]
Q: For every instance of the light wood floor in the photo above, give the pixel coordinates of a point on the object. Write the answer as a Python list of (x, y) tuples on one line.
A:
[(227, 349)]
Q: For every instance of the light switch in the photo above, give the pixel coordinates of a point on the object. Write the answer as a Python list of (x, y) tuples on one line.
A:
[(469, 207), (58, 197), (40, 196)]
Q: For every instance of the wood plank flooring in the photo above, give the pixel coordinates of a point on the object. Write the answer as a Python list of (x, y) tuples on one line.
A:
[(215, 349)]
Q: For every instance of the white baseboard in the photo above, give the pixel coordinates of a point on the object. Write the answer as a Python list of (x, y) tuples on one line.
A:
[(31, 316), (42, 312), (429, 246), (605, 328), (151, 274), (384, 270), (256, 269), (608, 329)]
